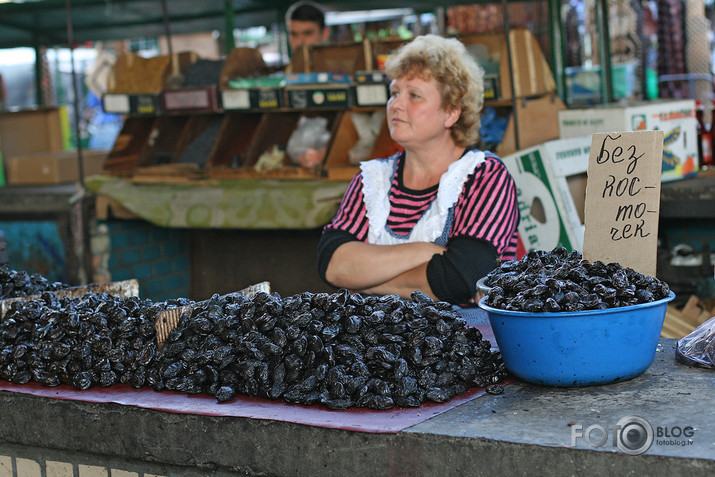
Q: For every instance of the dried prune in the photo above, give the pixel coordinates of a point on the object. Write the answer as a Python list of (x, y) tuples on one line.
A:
[(567, 282)]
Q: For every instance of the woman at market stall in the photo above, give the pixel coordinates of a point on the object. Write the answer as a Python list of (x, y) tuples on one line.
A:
[(439, 215)]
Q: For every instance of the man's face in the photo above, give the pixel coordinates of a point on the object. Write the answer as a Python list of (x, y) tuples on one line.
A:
[(305, 33)]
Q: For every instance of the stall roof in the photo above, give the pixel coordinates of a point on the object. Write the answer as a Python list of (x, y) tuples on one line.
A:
[(44, 22)]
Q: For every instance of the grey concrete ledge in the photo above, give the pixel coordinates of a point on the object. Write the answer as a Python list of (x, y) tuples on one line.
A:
[(525, 431)]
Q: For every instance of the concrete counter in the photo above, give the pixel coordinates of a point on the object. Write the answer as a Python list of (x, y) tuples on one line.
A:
[(528, 430)]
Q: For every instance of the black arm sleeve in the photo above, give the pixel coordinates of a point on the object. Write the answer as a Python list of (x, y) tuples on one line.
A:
[(453, 275), (329, 242)]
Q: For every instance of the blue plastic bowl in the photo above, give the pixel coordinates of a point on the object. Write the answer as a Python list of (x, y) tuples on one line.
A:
[(579, 348)]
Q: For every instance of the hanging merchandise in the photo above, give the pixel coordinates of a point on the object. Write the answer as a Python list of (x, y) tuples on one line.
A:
[(671, 48), (697, 30)]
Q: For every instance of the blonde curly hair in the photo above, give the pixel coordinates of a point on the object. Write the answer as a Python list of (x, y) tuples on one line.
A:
[(458, 76)]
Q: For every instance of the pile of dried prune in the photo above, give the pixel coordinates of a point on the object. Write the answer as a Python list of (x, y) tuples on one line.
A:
[(97, 339), (341, 350), (19, 283), (563, 281)]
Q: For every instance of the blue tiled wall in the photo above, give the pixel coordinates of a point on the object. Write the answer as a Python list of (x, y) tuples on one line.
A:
[(159, 258), (36, 246)]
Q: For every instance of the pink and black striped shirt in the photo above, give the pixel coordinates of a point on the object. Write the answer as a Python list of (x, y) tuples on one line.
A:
[(486, 209)]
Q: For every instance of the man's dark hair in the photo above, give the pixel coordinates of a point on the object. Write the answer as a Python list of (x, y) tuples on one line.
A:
[(305, 11)]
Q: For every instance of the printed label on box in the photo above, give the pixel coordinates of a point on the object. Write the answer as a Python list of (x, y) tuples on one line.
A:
[(299, 98), (371, 94), (371, 77), (235, 99), (145, 104), (116, 103), (322, 97), (268, 98), (491, 90), (198, 99)]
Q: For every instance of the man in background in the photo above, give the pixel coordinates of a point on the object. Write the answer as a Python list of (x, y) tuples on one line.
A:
[(305, 22)]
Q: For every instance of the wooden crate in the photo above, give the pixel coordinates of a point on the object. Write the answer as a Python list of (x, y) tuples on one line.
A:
[(529, 68), (380, 49), (680, 323), (345, 58), (240, 63), (122, 289), (169, 319)]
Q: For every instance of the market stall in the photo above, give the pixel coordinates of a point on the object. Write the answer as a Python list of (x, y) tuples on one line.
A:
[(577, 371)]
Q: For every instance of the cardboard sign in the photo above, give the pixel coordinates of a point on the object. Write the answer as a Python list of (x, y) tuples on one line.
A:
[(623, 199)]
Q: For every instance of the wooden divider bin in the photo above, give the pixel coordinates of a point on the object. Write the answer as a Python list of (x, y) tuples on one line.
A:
[(234, 139), (131, 140), (271, 129), (160, 147), (337, 164)]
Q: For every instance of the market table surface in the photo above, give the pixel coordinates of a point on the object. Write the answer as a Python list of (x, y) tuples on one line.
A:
[(528, 430)]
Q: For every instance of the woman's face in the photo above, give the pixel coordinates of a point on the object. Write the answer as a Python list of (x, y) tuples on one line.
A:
[(414, 111)]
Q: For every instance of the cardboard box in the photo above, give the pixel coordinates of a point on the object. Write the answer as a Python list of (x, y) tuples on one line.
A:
[(53, 167), (27, 131), (568, 163), (675, 118), (545, 221)]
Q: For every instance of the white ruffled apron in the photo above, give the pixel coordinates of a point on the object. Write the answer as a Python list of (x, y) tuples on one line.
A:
[(435, 223)]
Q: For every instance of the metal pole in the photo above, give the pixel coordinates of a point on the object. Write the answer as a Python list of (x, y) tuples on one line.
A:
[(77, 113), (228, 17), (39, 94), (557, 48), (604, 50), (515, 106), (167, 30)]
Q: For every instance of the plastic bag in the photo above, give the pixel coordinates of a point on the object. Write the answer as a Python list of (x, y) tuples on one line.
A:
[(698, 348), (368, 127), (309, 141)]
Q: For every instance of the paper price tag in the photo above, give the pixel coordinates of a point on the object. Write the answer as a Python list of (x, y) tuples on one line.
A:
[(623, 199)]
